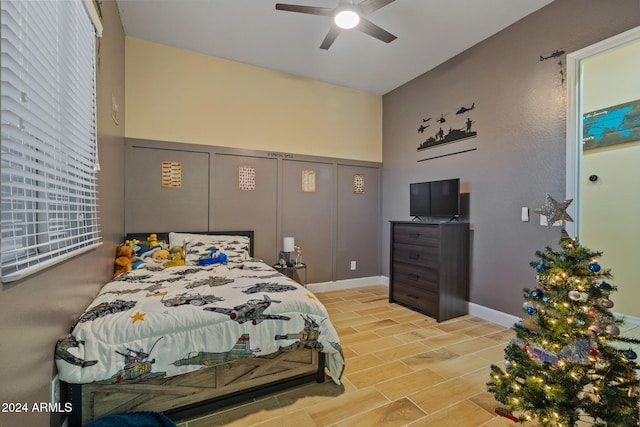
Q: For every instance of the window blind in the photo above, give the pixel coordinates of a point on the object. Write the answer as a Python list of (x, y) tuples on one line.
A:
[(48, 126)]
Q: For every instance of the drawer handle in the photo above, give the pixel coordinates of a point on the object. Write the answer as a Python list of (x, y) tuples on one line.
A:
[(414, 276), (413, 296), (415, 235), (414, 256)]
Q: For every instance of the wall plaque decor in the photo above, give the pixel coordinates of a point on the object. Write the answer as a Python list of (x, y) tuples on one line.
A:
[(171, 174), (450, 129), (358, 183), (247, 178), (610, 126), (309, 181)]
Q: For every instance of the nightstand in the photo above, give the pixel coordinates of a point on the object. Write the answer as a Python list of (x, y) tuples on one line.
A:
[(290, 271)]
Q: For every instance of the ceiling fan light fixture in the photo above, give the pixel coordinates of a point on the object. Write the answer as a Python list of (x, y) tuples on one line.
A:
[(347, 19)]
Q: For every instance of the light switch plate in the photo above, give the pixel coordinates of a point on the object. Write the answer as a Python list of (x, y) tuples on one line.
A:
[(543, 221)]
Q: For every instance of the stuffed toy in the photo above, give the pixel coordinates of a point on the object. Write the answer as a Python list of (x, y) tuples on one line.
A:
[(152, 240), (160, 255), (135, 245), (136, 259), (177, 257), (124, 259), (214, 257)]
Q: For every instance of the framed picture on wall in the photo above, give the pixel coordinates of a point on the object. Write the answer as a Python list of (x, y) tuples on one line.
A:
[(308, 181), (246, 178), (171, 174), (358, 183)]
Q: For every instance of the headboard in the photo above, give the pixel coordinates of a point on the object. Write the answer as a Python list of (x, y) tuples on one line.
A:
[(165, 236)]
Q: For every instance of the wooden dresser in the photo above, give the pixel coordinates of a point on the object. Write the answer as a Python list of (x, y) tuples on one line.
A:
[(429, 267)]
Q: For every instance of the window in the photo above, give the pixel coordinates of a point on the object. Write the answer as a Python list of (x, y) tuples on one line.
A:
[(48, 126)]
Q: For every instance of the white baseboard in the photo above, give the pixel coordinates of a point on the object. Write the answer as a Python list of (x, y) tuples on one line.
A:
[(508, 320), (486, 313), (348, 283), (480, 311), (629, 320), (491, 315)]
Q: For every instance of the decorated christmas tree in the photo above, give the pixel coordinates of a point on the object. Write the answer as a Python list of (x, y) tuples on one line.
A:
[(568, 362)]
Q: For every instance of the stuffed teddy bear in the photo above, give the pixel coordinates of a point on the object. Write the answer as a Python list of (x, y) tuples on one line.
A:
[(124, 259), (136, 259), (160, 255)]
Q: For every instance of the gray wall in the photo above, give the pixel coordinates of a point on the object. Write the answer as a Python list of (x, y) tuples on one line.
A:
[(333, 226), (36, 311), (519, 152)]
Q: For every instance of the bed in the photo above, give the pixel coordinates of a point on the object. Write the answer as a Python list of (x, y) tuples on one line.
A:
[(191, 338)]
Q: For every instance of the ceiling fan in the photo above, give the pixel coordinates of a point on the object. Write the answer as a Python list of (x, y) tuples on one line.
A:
[(346, 15)]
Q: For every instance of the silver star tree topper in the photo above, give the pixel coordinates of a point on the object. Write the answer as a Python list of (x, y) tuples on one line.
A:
[(554, 210)]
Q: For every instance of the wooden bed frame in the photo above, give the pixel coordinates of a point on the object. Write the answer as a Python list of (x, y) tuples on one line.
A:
[(202, 391), (198, 392)]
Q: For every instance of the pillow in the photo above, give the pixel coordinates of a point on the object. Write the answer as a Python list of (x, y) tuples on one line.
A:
[(198, 245)]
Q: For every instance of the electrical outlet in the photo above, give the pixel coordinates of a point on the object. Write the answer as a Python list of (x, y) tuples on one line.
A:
[(55, 389), (353, 265)]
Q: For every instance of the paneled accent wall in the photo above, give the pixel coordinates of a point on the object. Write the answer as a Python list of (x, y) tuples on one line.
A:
[(309, 216), (358, 212), (149, 207), (313, 199), (236, 208)]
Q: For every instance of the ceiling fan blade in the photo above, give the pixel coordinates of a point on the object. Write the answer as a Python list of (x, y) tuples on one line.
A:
[(373, 30), (312, 10), (332, 35), (370, 6)]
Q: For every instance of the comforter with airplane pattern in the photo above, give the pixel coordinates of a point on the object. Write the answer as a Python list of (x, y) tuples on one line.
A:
[(154, 322)]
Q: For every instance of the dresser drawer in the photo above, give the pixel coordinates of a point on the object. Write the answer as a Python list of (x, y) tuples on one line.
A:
[(417, 277), (416, 255), (416, 235), (415, 297)]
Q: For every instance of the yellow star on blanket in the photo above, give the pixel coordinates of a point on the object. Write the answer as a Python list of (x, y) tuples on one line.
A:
[(311, 297), (137, 316)]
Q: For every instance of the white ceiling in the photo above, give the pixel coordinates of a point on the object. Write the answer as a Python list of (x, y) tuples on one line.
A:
[(252, 32)]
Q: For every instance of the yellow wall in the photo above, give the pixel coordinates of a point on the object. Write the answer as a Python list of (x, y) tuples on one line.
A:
[(178, 95), (610, 206)]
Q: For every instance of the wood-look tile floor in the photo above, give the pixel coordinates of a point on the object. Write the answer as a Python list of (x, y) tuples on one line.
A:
[(402, 369)]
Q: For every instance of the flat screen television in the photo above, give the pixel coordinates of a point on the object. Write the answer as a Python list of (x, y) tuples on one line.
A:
[(435, 198)]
